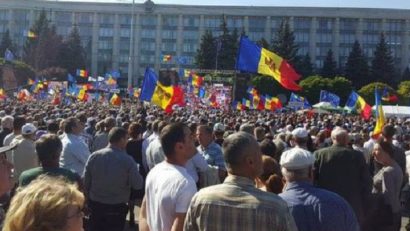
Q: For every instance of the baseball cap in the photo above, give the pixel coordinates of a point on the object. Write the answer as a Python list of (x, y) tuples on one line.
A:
[(300, 133), (218, 127), (296, 158), (28, 128)]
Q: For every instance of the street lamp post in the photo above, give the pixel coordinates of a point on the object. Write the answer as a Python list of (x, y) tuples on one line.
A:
[(131, 55)]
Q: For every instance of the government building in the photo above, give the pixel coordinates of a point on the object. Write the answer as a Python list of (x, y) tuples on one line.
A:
[(162, 30)]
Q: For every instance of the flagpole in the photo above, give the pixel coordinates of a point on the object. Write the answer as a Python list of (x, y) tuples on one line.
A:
[(131, 55)]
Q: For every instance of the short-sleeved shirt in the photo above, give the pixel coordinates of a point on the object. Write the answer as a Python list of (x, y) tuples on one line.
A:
[(213, 155), (29, 175), (169, 190)]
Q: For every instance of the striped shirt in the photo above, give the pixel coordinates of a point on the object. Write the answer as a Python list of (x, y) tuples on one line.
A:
[(237, 205)]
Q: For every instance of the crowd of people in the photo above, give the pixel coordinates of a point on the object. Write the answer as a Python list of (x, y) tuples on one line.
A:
[(87, 165)]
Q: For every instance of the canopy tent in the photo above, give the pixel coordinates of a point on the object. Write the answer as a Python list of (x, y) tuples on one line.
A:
[(395, 111)]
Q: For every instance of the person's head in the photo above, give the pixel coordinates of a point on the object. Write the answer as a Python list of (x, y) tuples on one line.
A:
[(73, 126), (48, 149), (7, 122), (28, 131), (271, 176), (246, 128), (340, 136), (109, 123), (155, 126), (6, 180), (46, 204), (219, 130), (297, 165), (118, 137), (259, 133), (268, 148), (300, 136), (18, 123), (135, 130), (52, 127), (204, 135), (178, 144), (242, 155), (383, 152), (388, 132)]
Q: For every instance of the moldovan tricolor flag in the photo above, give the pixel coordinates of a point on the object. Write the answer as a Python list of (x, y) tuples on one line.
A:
[(356, 101), (380, 120), (255, 59)]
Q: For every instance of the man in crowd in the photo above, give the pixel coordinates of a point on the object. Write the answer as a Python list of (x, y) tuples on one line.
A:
[(75, 151), (109, 175), (344, 171), (300, 138), (237, 204), (18, 123), (312, 208), (219, 130), (48, 149), (155, 153), (6, 179), (6, 128), (101, 140), (169, 187)]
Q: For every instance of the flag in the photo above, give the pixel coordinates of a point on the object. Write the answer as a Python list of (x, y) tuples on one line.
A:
[(111, 81), (257, 102), (197, 80), (30, 81), (202, 92), (82, 73), (329, 97), (182, 60), (238, 106), (380, 121), (387, 97), (251, 90), (252, 58), (70, 78), (356, 101), (163, 96), (56, 100), (29, 34), (115, 74), (82, 95), (298, 102), (115, 100), (137, 92), (246, 103), (276, 104), (2, 94), (166, 58), (8, 55), (23, 95)]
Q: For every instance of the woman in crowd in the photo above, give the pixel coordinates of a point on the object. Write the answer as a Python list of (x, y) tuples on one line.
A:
[(271, 178), (47, 204)]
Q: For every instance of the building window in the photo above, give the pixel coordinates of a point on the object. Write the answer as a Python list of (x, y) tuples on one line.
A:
[(169, 34), (169, 21), (106, 19), (124, 32), (190, 47), (234, 22), (192, 35), (191, 21), (347, 24), (212, 22), (149, 20), (325, 24), (106, 32), (125, 20), (302, 23), (169, 47), (86, 18), (4, 15), (145, 33)]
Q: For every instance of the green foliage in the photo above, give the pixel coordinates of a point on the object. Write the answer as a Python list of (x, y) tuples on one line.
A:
[(205, 57), (267, 85), (6, 43), (305, 67), (356, 68), (342, 87), (382, 68), (329, 69), (404, 92), (71, 55), (406, 74), (22, 71), (367, 92), (284, 43)]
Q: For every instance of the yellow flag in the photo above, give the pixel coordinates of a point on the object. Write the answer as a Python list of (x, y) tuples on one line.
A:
[(162, 95)]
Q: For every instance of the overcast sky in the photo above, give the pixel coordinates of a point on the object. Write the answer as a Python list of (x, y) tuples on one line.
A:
[(395, 4)]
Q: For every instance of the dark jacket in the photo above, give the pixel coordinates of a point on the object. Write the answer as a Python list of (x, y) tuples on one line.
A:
[(344, 171)]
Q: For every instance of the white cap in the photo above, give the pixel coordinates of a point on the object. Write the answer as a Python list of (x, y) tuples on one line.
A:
[(296, 158), (300, 133), (218, 127), (28, 128)]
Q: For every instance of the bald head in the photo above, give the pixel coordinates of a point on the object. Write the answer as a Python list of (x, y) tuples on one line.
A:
[(340, 136), (237, 147)]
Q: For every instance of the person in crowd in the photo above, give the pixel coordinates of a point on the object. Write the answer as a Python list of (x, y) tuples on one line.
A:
[(101, 140), (357, 144), (88, 139), (259, 133), (155, 153), (271, 178), (154, 135), (47, 204), (24, 155), (219, 130), (268, 148), (18, 123), (109, 176), (169, 187), (387, 182), (48, 149), (6, 128), (299, 138), (313, 209), (344, 171), (220, 207), (90, 126), (247, 127), (52, 127), (75, 151), (320, 140), (210, 150), (6, 179)]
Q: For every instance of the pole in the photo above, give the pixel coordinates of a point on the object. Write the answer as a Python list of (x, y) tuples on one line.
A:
[(131, 55)]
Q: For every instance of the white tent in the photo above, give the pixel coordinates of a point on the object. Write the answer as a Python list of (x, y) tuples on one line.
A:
[(395, 111)]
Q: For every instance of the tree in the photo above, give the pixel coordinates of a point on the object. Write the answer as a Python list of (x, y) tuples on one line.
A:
[(226, 46), (263, 43), (329, 66), (72, 54), (367, 92), (312, 86), (404, 92), (305, 67), (341, 87), (268, 86), (406, 74), (205, 57), (382, 68), (6, 43), (356, 68), (284, 43)]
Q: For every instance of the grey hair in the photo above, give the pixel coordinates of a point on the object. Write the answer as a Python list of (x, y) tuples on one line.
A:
[(247, 128), (7, 122), (339, 135), (296, 174), (236, 147)]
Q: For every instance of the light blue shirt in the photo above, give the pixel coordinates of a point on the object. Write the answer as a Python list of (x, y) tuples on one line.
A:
[(75, 153), (213, 155)]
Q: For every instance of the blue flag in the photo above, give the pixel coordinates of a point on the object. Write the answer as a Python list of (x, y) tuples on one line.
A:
[(326, 96), (202, 92), (115, 74), (8, 55), (182, 60), (148, 85), (70, 78), (298, 102)]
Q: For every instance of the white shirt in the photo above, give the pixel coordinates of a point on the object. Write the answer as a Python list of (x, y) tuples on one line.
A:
[(75, 153), (196, 164), (6, 142), (169, 190), (369, 145), (145, 145), (155, 153)]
